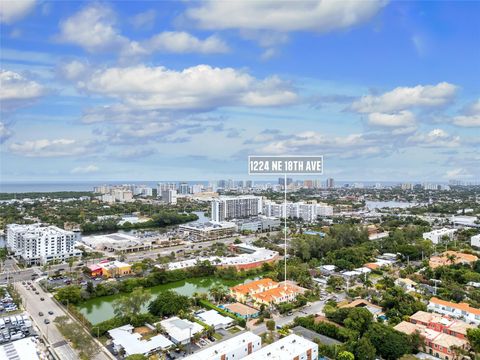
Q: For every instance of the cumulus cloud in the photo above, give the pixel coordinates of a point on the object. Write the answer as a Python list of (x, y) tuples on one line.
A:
[(87, 169), (284, 16), (434, 138), (144, 19), (402, 98), (470, 116), (200, 87), (401, 119), (13, 10), (94, 28), (52, 148), (18, 91), (183, 42), (458, 173)]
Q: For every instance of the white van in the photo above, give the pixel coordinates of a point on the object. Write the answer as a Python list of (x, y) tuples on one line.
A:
[(2, 324)]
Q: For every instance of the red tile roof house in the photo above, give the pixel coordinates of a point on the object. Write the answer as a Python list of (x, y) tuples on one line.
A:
[(441, 334), (461, 311)]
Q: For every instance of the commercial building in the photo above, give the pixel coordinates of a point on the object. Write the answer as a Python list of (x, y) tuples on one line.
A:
[(441, 334), (451, 258), (234, 348), (463, 221), (291, 347), (209, 230), (460, 311), (235, 207), (169, 196), (125, 339), (118, 242), (475, 240), (39, 244), (110, 269), (179, 330), (258, 224), (214, 319), (250, 258), (436, 236), (301, 210)]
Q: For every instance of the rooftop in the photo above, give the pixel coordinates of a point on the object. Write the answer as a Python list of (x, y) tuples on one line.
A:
[(133, 343), (254, 286), (285, 348), (213, 318), (241, 309), (459, 306), (180, 329)]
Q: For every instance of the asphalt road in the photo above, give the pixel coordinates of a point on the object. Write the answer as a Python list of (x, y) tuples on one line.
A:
[(34, 306)]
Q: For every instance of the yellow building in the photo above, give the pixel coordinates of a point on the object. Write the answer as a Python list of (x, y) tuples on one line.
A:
[(115, 268)]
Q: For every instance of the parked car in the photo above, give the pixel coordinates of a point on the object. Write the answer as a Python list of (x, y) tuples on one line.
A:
[(40, 313), (50, 312), (42, 299), (46, 321)]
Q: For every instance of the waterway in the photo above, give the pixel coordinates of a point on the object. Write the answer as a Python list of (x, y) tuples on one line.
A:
[(100, 309)]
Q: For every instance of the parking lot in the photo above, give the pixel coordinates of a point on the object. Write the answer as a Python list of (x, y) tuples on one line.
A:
[(15, 327), (6, 304)]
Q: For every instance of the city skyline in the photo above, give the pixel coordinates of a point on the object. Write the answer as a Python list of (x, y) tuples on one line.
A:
[(117, 91)]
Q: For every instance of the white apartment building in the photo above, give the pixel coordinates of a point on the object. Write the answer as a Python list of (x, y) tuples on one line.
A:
[(462, 311), (301, 210), (165, 186), (236, 207), (435, 236), (234, 348), (39, 244), (169, 196), (292, 347), (475, 240)]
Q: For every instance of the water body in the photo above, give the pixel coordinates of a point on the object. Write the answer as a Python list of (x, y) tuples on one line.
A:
[(100, 309), (389, 204)]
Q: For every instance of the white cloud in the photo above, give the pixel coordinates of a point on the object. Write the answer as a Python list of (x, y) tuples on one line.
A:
[(401, 119), (144, 19), (88, 169), (470, 116), (402, 98), (458, 173), (318, 16), (183, 42), (13, 10), (5, 132), (51, 148), (435, 138), (94, 29), (200, 87), (17, 91)]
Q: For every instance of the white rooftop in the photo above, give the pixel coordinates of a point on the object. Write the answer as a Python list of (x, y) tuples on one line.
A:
[(133, 343), (220, 348), (213, 318), (23, 349), (285, 349), (180, 329)]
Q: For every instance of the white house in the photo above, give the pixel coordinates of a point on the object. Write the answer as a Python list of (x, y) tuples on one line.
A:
[(179, 330), (234, 348), (461, 310), (213, 318), (407, 284), (475, 240), (124, 338), (435, 236)]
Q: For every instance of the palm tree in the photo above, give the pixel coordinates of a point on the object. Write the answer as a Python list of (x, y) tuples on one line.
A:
[(218, 292), (451, 258)]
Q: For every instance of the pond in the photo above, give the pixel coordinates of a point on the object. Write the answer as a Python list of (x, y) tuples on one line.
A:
[(100, 309)]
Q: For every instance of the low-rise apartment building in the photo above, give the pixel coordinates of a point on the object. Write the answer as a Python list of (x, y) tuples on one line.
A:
[(234, 348), (460, 311), (291, 347), (436, 236)]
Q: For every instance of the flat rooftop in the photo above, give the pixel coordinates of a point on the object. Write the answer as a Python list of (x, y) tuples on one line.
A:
[(284, 349)]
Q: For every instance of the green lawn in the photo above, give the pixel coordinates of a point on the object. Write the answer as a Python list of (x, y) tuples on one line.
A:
[(233, 330), (217, 336)]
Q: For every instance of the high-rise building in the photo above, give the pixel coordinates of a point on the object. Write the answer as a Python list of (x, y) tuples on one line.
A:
[(300, 210), (330, 184), (169, 196), (281, 181), (249, 184), (39, 244), (239, 207), (308, 184), (183, 188), (165, 186)]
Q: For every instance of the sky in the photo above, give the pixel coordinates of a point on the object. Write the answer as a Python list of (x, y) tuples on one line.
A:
[(150, 90)]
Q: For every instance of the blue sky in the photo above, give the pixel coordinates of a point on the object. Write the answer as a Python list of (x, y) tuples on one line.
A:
[(152, 90)]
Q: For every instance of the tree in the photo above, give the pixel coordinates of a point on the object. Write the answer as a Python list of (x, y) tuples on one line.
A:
[(131, 305), (359, 319), (390, 344), (169, 303), (218, 292), (70, 294), (136, 357), (270, 325), (365, 350), (345, 355), (473, 336)]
